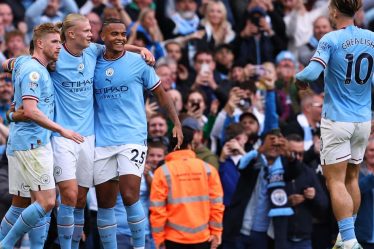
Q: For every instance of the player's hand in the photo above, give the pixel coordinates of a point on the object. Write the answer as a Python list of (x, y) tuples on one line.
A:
[(147, 56), (19, 115), (309, 193), (69, 134), (301, 85), (177, 133), (215, 241)]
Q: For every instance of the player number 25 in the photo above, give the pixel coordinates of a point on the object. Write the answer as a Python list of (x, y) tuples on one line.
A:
[(135, 159), (361, 57)]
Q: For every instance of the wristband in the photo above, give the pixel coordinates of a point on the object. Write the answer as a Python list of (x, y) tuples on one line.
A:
[(11, 117)]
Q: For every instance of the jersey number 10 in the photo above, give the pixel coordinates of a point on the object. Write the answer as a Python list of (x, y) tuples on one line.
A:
[(348, 75)]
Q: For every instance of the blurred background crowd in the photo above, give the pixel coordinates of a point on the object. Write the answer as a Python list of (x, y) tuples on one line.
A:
[(229, 67)]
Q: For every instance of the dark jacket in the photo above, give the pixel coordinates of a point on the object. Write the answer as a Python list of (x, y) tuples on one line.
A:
[(300, 224), (248, 50), (229, 174), (364, 224)]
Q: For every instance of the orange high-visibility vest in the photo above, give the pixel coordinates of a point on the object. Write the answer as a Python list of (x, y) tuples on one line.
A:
[(186, 200)]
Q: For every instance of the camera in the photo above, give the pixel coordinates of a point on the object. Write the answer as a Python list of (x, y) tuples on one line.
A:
[(259, 71), (245, 103), (255, 19), (195, 106)]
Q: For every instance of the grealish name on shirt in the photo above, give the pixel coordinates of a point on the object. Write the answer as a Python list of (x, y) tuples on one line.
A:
[(356, 41)]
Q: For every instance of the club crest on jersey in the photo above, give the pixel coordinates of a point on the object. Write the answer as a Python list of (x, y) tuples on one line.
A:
[(278, 197), (34, 76), (109, 72), (80, 67)]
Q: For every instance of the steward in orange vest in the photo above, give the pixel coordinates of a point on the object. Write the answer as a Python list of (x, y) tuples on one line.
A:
[(186, 201)]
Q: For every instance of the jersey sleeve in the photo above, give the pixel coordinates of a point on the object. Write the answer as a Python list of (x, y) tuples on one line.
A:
[(150, 78), (324, 50), (31, 84), (96, 49)]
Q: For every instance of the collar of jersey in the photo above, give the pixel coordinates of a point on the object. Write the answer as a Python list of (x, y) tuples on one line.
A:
[(66, 48)]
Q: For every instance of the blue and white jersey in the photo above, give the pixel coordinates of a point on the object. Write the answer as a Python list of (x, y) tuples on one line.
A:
[(347, 54), (73, 79), (119, 101), (32, 81), (17, 66)]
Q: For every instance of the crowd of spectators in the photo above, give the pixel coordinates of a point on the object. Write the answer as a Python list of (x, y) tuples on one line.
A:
[(229, 67)]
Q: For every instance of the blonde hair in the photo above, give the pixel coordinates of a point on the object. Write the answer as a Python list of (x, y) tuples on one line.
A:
[(69, 21), (221, 6), (144, 13), (44, 29)]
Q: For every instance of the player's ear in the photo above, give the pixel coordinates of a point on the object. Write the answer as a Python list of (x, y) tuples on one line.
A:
[(71, 34), (102, 36), (39, 43)]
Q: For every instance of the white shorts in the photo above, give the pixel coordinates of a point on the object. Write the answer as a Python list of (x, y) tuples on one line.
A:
[(74, 161), (341, 141), (36, 167), (112, 161), (17, 183)]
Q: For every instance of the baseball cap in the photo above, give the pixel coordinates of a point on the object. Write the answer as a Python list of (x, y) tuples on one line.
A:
[(192, 123), (248, 115), (285, 55)]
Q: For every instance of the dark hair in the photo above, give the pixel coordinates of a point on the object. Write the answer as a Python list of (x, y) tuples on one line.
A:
[(188, 134), (14, 33), (347, 7), (31, 47), (294, 137), (199, 91), (274, 131), (157, 143), (233, 130), (205, 51), (109, 21)]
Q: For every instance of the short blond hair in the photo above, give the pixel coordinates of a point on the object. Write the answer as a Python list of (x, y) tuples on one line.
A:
[(43, 29)]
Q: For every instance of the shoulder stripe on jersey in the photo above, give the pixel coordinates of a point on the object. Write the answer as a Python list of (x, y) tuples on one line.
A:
[(155, 86), (30, 97), (319, 60)]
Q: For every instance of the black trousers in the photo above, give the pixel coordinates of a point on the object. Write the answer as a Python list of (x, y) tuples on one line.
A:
[(367, 245), (174, 245)]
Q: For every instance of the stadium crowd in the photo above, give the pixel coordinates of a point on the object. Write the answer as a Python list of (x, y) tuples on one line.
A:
[(229, 67)]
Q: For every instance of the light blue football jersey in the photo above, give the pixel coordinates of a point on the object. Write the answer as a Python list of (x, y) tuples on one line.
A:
[(347, 54), (17, 66), (32, 81), (119, 101), (73, 82)]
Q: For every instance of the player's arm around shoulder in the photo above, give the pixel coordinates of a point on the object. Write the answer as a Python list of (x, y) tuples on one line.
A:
[(14, 115), (147, 55), (8, 64)]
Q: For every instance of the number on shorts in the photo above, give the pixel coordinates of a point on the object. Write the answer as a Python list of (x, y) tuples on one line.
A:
[(136, 154), (348, 75)]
